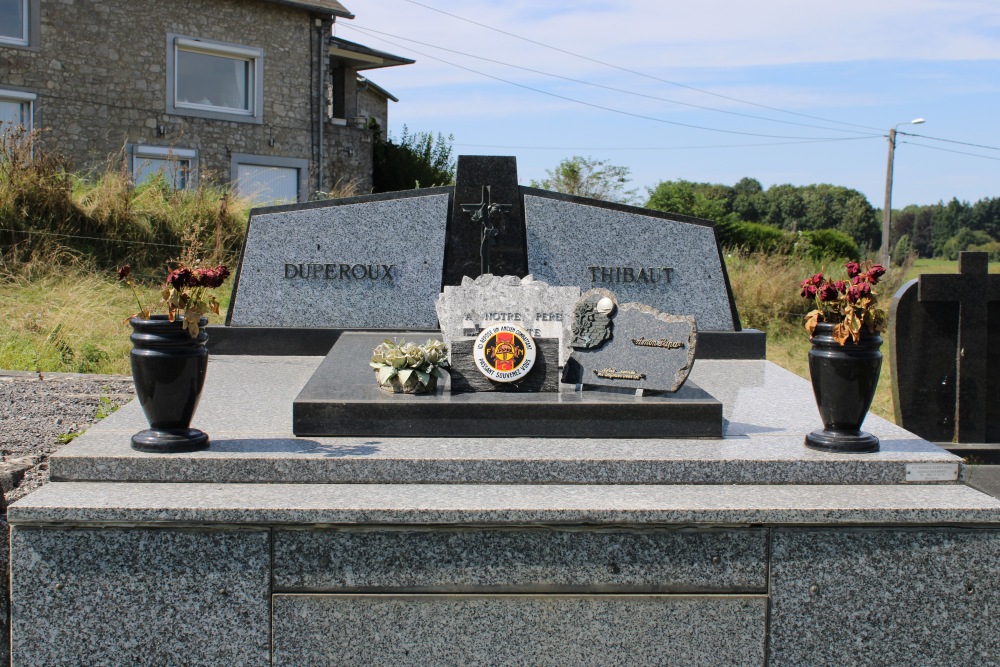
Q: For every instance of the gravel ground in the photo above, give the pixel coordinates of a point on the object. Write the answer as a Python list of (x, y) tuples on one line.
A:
[(35, 411)]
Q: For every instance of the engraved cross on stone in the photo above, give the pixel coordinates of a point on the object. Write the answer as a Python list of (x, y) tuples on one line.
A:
[(484, 213), (973, 288)]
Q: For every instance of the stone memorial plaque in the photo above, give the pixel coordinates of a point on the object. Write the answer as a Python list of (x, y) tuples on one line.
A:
[(543, 310), (671, 263), (364, 262), (632, 346)]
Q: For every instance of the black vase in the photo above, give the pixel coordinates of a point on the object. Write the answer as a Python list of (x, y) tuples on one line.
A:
[(168, 367), (844, 378)]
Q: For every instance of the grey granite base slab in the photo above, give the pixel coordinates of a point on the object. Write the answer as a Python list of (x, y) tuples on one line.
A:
[(342, 399), (885, 597), (246, 409), (521, 560), (499, 504), (140, 597), (576, 631)]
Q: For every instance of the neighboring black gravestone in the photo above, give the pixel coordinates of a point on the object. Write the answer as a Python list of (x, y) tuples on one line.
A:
[(485, 232), (945, 372)]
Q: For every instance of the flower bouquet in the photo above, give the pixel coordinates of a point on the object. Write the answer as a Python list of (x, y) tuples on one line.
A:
[(850, 305), (408, 368)]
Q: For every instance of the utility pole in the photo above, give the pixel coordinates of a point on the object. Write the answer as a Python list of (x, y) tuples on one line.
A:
[(884, 251)]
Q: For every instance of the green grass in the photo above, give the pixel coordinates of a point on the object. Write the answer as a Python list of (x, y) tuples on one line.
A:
[(72, 321)]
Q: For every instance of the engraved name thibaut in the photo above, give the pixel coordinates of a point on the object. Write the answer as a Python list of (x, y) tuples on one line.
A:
[(612, 374), (629, 275), (338, 271), (662, 342)]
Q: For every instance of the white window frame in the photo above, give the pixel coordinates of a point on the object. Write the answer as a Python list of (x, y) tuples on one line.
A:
[(138, 152), (30, 29), (22, 97), (255, 92), (300, 164)]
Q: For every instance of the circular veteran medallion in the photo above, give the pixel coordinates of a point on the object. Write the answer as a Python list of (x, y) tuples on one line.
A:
[(504, 352)]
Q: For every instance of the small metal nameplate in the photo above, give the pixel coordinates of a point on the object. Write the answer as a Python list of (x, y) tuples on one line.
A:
[(931, 472)]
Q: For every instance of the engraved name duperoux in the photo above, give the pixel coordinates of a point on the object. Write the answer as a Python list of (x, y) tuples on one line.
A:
[(630, 275), (661, 342), (613, 374), (340, 271)]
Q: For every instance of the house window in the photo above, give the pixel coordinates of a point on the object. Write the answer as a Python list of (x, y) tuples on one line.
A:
[(214, 80), (270, 180), (177, 165), (16, 109), (14, 22)]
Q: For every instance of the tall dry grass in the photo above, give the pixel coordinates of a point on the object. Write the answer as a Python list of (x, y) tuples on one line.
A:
[(766, 289), (102, 218)]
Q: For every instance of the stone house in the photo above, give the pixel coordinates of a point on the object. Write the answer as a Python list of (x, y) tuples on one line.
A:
[(254, 92)]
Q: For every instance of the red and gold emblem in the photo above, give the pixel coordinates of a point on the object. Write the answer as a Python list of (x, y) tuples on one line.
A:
[(504, 352)]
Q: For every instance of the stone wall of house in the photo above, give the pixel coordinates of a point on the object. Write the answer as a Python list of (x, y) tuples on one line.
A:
[(349, 157), (372, 104), (100, 74)]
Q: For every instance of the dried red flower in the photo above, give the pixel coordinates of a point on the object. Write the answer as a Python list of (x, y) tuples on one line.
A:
[(124, 272), (853, 269)]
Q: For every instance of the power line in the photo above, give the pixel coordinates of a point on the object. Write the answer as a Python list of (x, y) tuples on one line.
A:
[(371, 32), (950, 141), (949, 150), (30, 232), (630, 71), (599, 106), (662, 148)]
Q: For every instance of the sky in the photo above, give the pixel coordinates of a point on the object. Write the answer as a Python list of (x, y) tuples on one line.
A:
[(783, 91)]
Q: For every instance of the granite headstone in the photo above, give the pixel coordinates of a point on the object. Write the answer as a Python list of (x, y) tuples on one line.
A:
[(945, 357), (482, 183), (630, 345), (542, 309), (365, 262), (669, 262)]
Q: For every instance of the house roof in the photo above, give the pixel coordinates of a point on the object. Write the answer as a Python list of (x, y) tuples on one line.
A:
[(319, 6), (368, 83), (364, 57)]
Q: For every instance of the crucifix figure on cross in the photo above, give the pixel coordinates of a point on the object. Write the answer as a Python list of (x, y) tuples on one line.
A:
[(487, 213)]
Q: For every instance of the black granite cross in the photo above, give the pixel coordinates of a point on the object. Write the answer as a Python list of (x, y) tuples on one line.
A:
[(483, 213), (973, 288)]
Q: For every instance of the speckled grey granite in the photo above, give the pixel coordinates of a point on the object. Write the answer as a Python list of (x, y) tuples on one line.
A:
[(566, 239), (500, 504), (575, 631), (544, 310), (140, 597), (884, 597), (336, 246), (521, 560), (246, 409), (657, 346)]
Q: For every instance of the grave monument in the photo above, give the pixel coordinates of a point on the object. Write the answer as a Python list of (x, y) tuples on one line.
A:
[(442, 531)]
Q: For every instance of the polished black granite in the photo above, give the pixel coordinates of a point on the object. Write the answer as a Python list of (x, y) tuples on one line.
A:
[(342, 399)]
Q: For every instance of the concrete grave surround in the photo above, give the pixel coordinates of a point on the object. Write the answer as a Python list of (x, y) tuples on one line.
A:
[(567, 236), (544, 310), (331, 241), (665, 369), (267, 549)]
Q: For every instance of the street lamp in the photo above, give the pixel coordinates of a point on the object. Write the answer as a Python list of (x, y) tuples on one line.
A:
[(887, 210)]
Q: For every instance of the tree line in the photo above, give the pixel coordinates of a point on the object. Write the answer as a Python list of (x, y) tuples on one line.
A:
[(819, 219)]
